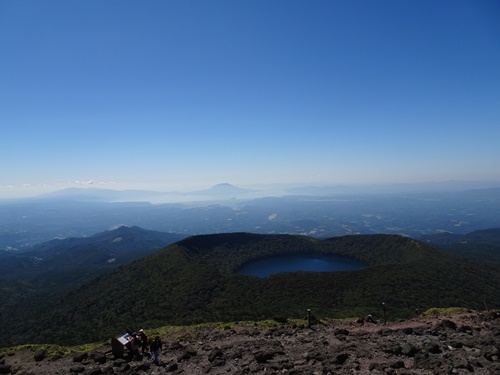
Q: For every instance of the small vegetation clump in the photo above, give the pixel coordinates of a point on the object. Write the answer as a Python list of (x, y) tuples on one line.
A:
[(52, 349), (436, 311)]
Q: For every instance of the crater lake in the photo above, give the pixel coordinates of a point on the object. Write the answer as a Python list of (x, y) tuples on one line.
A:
[(305, 262)]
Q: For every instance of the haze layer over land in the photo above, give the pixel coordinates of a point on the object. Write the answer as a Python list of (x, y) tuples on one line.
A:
[(184, 95)]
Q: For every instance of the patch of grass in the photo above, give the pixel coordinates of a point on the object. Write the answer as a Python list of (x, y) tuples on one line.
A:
[(55, 349), (261, 323), (436, 311), (334, 321)]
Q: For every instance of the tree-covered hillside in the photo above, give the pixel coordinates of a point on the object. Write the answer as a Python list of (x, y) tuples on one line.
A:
[(60, 265), (194, 280)]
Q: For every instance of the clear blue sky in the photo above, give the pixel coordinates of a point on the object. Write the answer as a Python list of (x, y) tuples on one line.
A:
[(175, 95)]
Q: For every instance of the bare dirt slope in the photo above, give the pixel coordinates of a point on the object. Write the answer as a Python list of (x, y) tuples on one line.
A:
[(460, 343)]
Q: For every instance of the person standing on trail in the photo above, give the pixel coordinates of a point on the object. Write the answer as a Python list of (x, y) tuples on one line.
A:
[(134, 349), (155, 347), (144, 341)]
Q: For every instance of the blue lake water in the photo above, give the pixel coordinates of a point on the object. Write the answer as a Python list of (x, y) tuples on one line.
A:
[(306, 262)]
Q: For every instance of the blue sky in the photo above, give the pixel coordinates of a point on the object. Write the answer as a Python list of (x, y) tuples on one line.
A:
[(180, 95)]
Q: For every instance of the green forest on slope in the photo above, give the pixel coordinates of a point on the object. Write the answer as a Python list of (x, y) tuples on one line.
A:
[(195, 281)]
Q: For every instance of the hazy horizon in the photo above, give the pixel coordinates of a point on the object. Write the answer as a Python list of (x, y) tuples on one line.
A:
[(181, 96), (225, 192)]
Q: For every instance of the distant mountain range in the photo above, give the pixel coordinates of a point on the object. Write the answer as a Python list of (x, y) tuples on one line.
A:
[(26, 223), (481, 244), (219, 191), (195, 280), (123, 244), (410, 188), (225, 190), (107, 249)]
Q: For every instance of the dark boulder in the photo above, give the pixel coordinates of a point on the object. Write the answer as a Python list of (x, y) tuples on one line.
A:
[(186, 355), (432, 347), (340, 331), (77, 369), (214, 354), (262, 356), (341, 358), (446, 323), (95, 370), (409, 350), (171, 367), (40, 355), (80, 357)]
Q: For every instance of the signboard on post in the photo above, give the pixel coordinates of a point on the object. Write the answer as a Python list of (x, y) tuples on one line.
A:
[(118, 344)]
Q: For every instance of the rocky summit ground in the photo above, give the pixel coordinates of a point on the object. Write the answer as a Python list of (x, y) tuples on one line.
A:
[(460, 343)]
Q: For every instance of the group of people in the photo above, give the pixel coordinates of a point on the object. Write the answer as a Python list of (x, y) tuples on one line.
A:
[(148, 348)]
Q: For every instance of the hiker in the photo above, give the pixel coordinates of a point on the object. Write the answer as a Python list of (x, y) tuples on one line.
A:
[(369, 319), (311, 319), (144, 342), (156, 346), (134, 348)]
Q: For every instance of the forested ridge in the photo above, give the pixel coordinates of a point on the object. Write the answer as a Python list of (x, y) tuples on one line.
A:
[(195, 280)]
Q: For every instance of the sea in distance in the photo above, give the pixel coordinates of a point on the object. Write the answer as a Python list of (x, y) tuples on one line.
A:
[(306, 262)]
